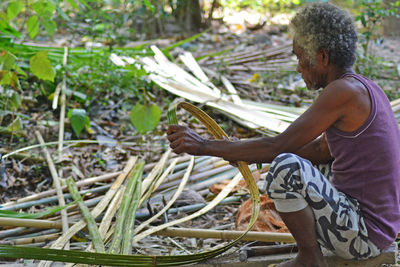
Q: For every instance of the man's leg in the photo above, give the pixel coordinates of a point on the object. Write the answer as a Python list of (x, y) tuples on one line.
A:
[(302, 226), (335, 220)]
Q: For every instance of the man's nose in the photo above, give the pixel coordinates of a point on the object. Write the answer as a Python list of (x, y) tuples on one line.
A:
[(298, 69)]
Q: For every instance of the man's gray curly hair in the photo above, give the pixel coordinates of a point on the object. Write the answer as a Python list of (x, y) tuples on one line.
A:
[(325, 26)]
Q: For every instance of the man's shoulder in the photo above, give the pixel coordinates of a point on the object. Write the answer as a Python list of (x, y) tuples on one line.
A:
[(346, 87)]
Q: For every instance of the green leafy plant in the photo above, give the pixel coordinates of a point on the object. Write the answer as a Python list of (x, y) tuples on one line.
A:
[(41, 67), (371, 17), (145, 117), (79, 120)]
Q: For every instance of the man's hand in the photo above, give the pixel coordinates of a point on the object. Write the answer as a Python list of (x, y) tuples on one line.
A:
[(185, 140)]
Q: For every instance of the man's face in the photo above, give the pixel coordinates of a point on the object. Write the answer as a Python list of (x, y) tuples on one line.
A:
[(311, 73)]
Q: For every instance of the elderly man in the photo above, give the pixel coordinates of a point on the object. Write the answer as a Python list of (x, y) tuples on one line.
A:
[(353, 208)]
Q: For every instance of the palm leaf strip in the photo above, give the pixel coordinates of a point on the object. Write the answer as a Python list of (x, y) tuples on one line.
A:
[(91, 223), (129, 223), (123, 211)]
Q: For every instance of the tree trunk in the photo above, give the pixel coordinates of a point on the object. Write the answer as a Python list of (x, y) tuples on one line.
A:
[(391, 25), (189, 15)]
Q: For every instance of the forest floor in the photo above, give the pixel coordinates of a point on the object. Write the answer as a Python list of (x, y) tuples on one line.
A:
[(23, 177)]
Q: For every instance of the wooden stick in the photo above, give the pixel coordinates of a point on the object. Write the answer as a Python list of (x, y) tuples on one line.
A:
[(26, 157), (56, 182), (91, 223), (226, 234), (85, 182)]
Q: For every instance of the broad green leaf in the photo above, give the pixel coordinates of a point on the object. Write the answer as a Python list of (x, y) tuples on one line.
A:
[(14, 80), (78, 119), (33, 26), (50, 26), (5, 26), (14, 8), (41, 67), (15, 126), (145, 118), (44, 8), (149, 5), (7, 60), (5, 77)]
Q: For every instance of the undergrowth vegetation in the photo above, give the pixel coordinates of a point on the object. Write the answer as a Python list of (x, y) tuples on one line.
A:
[(93, 30)]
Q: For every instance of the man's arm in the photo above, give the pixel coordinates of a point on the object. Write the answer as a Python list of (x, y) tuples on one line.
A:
[(317, 151), (335, 102)]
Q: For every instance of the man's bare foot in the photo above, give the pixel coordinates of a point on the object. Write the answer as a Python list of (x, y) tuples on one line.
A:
[(298, 262)]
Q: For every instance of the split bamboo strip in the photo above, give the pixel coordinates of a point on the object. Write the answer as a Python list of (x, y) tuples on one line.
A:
[(225, 192), (59, 244), (81, 183), (164, 175), (33, 233), (173, 199), (64, 239), (109, 215), (181, 159), (226, 234), (179, 174), (115, 246), (154, 174), (56, 182), (199, 175), (29, 240), (126, 246), (93, 230), (112, 209)]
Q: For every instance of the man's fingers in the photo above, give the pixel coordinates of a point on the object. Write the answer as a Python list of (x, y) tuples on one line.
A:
[(174, 128)]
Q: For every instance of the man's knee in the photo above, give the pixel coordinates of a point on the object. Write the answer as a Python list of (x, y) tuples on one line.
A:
[(280, 172)]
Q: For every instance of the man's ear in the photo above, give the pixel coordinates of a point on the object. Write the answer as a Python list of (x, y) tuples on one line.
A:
[(323, 57)]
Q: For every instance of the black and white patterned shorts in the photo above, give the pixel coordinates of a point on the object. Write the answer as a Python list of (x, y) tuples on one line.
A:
[(294, 183)]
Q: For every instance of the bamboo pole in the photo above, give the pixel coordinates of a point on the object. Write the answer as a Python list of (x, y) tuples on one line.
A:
[(54, 198), (93, 230), (56, 182), (35, 223), (226, 234)]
